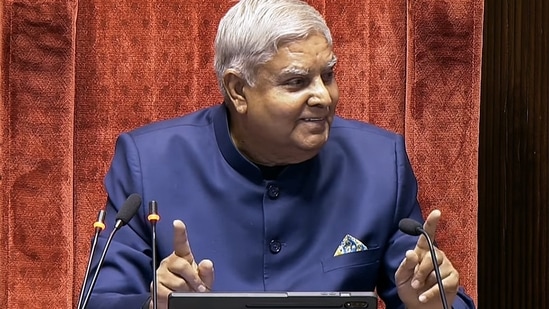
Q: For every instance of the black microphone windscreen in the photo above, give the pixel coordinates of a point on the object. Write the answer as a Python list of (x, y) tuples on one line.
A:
[(410, 226), (129, 209)]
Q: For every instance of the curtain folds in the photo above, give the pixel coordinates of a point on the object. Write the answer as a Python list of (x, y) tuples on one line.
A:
[(38, 66), (77, 73)]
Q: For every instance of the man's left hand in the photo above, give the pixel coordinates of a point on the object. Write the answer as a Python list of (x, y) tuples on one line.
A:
[(415, 277)]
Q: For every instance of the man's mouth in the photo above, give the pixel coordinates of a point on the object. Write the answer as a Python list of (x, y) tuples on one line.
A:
[(314, 119)]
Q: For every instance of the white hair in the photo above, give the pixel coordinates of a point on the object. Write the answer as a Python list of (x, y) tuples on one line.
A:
[(251, 31)]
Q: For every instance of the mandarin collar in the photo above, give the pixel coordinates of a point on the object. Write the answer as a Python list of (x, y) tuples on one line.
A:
[(239, 162), (231, 154)]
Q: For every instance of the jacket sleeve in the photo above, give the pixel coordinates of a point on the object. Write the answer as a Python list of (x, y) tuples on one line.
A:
[(407, 206), (126, 273)]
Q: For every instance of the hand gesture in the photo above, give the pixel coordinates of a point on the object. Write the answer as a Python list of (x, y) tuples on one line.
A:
[(415, 277), (179, 271)]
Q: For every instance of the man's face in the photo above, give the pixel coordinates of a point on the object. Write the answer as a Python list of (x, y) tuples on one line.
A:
[(290, 108)]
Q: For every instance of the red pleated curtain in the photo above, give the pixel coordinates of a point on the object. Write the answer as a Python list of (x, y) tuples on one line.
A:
[(74, 74)]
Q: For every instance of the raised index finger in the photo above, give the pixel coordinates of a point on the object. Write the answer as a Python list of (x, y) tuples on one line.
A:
[(181, 245), (430, 227)]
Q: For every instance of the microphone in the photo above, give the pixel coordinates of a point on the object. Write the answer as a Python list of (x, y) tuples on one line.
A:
[(412, 227), (124, 215), (153, 218), (99, 226)]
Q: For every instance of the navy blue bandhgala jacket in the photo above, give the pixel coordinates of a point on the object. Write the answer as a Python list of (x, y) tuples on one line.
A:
[(327, 224)]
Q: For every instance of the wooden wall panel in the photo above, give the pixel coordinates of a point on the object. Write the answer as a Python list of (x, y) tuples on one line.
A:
[(514, 156)]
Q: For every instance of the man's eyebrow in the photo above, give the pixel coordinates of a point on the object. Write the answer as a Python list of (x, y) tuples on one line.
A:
[(304, 71), (294, 71)]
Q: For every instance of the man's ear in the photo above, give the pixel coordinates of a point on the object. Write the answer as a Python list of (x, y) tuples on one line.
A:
[(234, 86)]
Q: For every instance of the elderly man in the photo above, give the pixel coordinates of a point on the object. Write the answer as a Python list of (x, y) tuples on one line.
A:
[(270, 186)]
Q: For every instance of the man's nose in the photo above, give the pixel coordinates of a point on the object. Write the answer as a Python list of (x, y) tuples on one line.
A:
[(319, 93)]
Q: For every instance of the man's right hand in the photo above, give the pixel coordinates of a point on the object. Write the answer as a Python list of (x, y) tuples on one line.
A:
[(179, 272)]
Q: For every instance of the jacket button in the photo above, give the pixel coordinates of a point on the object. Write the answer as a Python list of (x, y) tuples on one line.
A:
[(275, 246), (273, 192)]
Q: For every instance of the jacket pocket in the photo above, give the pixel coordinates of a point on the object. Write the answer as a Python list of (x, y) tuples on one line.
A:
[(353, 259)]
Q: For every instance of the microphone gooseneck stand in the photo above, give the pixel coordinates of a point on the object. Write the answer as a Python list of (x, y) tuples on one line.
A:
[(153, 219)]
